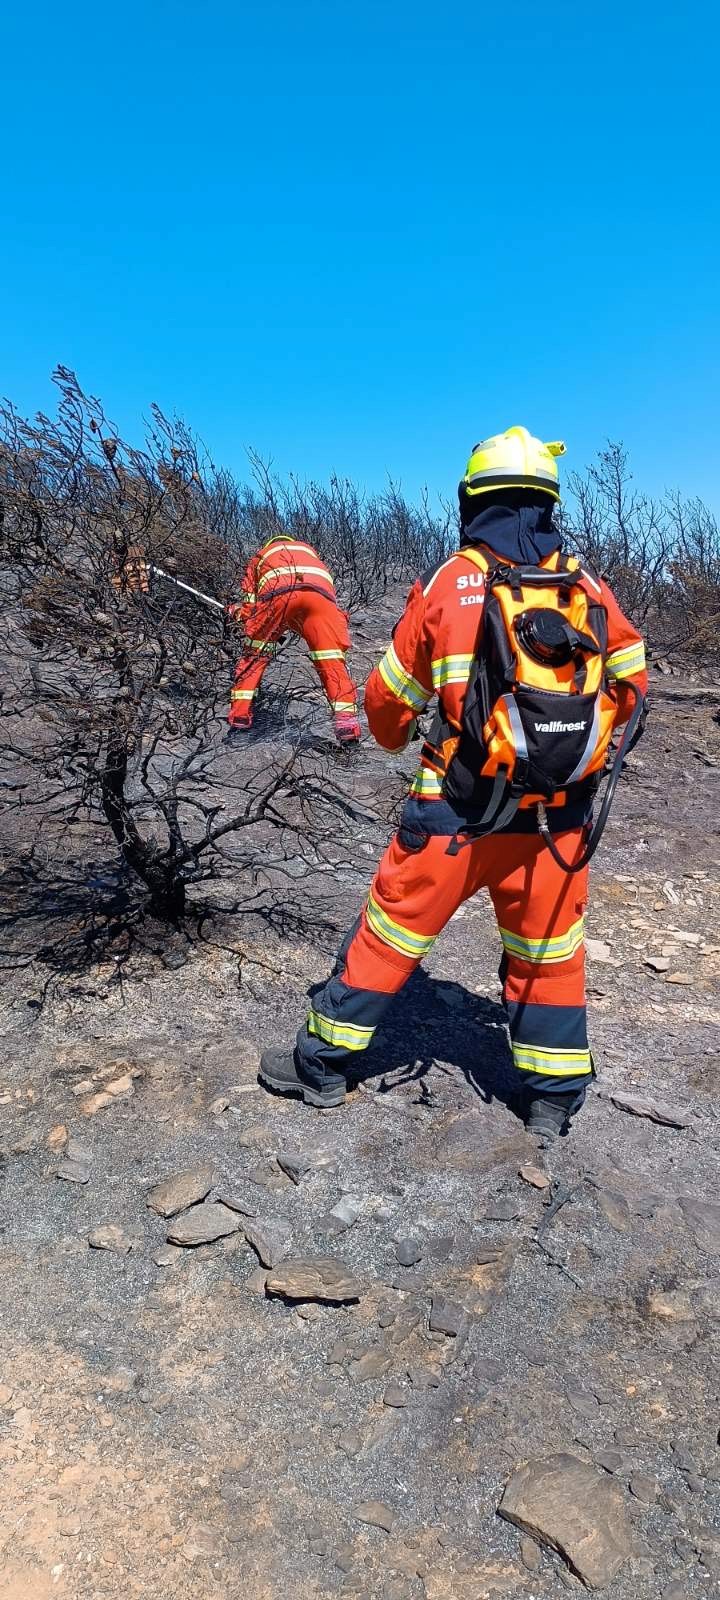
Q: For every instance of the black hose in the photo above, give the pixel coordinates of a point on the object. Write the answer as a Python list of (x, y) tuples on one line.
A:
[(598, 827)]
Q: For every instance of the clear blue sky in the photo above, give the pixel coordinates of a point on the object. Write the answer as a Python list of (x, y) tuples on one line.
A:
[(358, 237)]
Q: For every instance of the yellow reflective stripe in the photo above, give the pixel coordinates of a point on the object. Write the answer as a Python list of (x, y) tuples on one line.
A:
[(401, 683), (426, 784), (551, 1063), (393, 933), (262, 646), (249, 597), (559, 948), (626, 662), (347, 1035), (242, 694), (450, 669), (328, 655), (343, 705), (292, 572), (289, 544)]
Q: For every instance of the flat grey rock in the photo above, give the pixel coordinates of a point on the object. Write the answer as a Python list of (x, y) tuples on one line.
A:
[(203, 1224), (613, 1461), (405, 1324), (424, 1378), (314, 1278), (376, 1514), (373, 1364), (395, 1396), (167, 1255), (246, 1208), (702, 1218), (71, 1171), (644, 1488), (504, 1210), (447, 1317), (181, 1190), (75, 1150), (342, 1216), (109, 1236), (582, 1402), (638, 1105), (408, 1251), (270, 1240), (295, 1163), (575, 1510)]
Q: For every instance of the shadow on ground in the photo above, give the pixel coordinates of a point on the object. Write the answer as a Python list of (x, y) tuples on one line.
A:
[(438, 1025)]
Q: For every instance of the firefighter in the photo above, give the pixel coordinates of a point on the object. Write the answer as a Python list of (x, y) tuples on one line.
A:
[(507, 497), (131, 576), (287, 587)]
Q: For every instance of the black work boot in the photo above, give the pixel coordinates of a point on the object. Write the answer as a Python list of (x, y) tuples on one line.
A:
[(282, 1071), (548, 1115)]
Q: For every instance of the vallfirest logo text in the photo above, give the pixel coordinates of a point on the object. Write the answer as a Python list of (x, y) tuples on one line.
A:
[(559, 727)]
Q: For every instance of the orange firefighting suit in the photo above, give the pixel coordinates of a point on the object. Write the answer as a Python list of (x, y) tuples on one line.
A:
[(418, 887), (287, 587)]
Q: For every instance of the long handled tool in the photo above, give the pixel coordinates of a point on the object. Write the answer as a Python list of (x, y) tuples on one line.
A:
[(206, 599)]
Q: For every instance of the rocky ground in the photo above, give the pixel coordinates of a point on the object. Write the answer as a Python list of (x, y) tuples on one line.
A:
[(251, 1349)]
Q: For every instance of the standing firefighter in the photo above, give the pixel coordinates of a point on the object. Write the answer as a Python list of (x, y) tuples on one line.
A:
[(534, 666), (287, 587)]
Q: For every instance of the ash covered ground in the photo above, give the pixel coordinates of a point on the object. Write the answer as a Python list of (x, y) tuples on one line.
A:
[(189, 1419)]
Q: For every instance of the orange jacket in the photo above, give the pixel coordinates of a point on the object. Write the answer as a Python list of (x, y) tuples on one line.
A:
[(282, 566), (432, 651)]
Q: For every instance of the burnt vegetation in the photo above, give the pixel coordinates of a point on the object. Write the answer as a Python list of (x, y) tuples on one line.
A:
[(114, 702)]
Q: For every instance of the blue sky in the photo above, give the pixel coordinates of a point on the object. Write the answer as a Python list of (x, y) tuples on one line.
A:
[(360, 237)]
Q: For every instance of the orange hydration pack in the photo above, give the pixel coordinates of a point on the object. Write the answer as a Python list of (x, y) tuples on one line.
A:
[(539, 711)]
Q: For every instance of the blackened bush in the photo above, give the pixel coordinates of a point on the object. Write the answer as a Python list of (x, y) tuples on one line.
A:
[(113, 702), (661, 556)]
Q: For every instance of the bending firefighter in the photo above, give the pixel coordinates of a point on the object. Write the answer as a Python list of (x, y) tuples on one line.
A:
[(534, 666), (287, 587)]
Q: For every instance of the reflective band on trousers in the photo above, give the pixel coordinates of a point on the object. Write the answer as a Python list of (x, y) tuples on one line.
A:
[(559, 948), (343, 705), (450, 669), (552, 1063), (242, 694), (404, 940), (401, 683), (263, 647), (426, 784), (328, 655), (625, 663), (347, 1035)]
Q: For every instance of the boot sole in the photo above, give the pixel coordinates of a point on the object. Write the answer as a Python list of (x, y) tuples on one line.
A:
[(312, 1097)]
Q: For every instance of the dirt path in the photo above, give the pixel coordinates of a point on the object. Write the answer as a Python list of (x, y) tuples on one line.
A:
[(168, 1428)]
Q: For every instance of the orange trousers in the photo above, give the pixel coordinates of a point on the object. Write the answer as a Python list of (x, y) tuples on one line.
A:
[(416, 890), (324, 627)]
